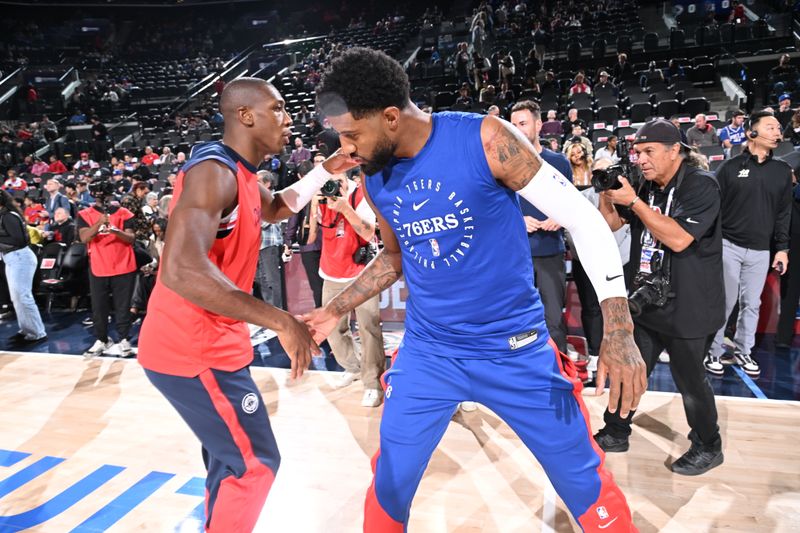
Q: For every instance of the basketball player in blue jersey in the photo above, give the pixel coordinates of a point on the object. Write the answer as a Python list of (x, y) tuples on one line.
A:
[(445, 189)]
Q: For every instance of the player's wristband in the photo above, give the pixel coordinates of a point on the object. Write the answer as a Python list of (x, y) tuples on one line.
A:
[(630, 205), (297, 195)]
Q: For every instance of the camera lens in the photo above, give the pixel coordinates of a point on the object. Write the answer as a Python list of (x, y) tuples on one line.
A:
[(331, 188)]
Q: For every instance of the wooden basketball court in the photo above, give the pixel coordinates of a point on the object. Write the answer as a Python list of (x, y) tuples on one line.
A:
[(91, 446)]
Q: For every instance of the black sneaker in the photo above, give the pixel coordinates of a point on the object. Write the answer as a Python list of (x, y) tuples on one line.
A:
[(26, 341), (610, 443), (698, 460), (17, 337)]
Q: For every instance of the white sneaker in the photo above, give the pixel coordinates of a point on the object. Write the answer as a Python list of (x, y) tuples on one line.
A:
[(124, 348), (345, 379), (99, 347), (372, 398), (713, 365), (748, 364), (468, 407), (663, 357)]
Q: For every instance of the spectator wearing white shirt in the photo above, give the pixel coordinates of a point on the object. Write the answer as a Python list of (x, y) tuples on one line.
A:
[(84, 163), (609, 151), (14, 182)]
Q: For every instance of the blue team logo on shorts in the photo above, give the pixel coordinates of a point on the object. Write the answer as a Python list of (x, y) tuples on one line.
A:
[(250, 403)]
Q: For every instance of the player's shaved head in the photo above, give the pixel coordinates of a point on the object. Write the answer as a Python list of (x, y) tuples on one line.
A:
[(256, 120), (244, 92)]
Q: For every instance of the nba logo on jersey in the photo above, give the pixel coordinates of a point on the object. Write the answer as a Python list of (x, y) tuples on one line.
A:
[(434, 247), (602, 513)]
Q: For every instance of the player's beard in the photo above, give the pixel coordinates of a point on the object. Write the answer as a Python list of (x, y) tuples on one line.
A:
[(381, 156)]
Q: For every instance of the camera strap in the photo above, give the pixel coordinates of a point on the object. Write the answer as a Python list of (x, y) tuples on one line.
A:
[(653, 256), (646, 235)]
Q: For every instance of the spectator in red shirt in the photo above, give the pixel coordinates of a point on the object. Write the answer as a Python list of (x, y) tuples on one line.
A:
[(219, 85), (107, 230), (56, 166), (24, 134), (32, 99), (149, 158), (33, 211)]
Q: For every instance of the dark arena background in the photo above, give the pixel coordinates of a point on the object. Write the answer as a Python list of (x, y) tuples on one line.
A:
[(124, 90)]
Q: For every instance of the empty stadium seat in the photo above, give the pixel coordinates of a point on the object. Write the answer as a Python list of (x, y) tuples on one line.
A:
[(574, 52), (608, 114), (783, 148), (650, 42), (667, 108), (640, 112), (599, 49), (677, 39), (693, 106), (704, 74), (713, 153), (624, 44), (444, 100)]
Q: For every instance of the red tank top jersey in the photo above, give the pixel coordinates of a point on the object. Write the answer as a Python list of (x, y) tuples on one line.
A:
[(182, 339), (108, 254)]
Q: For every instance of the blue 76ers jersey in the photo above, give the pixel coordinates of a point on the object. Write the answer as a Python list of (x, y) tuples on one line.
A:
[(466, 257)]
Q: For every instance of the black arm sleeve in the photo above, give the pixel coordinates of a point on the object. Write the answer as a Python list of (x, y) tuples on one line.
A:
[(783, 220)]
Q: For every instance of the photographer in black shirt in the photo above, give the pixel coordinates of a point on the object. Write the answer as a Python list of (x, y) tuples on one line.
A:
[(677, 291)]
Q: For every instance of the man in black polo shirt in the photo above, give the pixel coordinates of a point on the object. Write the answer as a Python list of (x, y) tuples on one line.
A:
[(675, 235), (756, 209)]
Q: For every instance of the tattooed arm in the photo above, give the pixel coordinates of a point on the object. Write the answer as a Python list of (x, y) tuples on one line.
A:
[(379, 274), (620, 360), (515, 163)]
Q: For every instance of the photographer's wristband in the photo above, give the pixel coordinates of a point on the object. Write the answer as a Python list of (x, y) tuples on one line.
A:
[(630, 205), (297, 195)]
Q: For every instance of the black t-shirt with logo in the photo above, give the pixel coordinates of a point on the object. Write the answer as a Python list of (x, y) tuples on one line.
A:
[(698, 307)]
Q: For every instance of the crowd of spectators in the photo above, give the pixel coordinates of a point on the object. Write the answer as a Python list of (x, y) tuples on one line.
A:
[(51, 192)]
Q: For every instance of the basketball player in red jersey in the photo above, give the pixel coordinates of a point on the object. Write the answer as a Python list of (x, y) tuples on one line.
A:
[(194, 344)]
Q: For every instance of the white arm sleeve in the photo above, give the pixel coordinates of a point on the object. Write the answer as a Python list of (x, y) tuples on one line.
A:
[(298, 194), (552, 194)]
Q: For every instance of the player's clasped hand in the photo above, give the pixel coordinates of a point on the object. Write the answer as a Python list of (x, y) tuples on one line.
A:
[(621, 362), (339, 162), (320, 322), (300, 347)]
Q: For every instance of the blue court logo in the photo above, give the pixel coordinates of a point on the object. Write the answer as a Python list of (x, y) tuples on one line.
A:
[(108, 514)]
